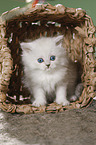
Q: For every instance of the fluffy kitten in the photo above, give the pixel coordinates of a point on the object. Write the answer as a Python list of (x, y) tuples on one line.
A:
[(48, 73)]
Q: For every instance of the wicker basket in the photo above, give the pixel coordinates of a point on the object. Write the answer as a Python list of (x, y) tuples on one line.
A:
[(44, 20)]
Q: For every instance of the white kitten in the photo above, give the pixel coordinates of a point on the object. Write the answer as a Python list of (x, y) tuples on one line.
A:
[(48, 71)]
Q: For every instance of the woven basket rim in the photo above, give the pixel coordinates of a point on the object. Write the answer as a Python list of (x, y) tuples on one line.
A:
[(42, 9)]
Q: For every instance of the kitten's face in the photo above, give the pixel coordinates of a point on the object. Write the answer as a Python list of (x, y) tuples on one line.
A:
[(43, 54)]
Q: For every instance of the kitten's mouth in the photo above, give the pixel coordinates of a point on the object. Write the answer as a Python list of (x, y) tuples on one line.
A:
[(47, 68)]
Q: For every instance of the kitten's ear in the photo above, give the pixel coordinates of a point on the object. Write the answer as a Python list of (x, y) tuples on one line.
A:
[(59, 39), (25, 46)]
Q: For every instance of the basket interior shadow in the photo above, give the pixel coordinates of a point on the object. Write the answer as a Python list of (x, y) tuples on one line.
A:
[(48, 21)]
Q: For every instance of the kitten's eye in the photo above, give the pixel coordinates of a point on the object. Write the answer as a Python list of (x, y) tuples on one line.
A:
[(52, 58), (40, 60)]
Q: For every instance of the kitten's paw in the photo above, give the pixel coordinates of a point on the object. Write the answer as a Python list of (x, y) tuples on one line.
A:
[(66, 102), (63, 102), (39, 102), (73, 98)]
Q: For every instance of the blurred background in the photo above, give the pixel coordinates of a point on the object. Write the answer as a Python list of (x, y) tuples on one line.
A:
[(88, 5)]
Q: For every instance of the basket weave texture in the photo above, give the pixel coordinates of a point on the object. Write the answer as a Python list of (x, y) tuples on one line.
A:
[(44, 20)]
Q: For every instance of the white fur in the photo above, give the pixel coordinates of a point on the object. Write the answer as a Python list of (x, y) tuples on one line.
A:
[(40, 79)]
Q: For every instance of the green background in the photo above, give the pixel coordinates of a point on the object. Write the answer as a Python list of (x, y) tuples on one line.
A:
[(88, 5)]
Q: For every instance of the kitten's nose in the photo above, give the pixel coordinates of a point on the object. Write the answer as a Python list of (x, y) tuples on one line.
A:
[(48, 65)]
